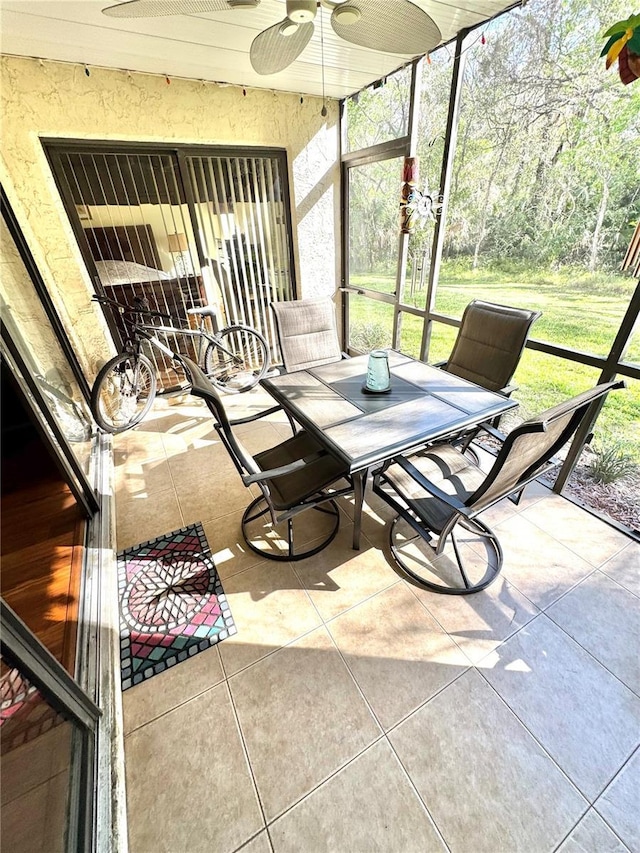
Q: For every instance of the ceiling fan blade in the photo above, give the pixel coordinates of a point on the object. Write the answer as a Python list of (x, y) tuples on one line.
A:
[(391, 26), (271, 51), (157, 8)]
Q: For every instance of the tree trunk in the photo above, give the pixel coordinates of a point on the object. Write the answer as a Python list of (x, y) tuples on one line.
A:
[(595, 239)]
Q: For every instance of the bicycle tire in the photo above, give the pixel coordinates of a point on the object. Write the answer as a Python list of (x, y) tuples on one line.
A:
[(119, 398), (238, 361)]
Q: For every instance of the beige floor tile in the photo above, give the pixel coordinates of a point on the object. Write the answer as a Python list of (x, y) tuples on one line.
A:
[(258, 436), (210, 491), (487, 784), (618, 805), (142, 519), (228, 548), (338, 577), (604, 618), (270, 609), (480, 622), (625, 567), (302, 718), (204, 460), (584, 717), (259, 844), (142, 479), (140, 444), (150, 699), (187, 428), (537, 564), (372, 805), (188, 784), (592, 834), (397, 653), (592, 539)]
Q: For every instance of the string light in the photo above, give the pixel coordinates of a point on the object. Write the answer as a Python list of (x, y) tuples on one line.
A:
[(244, 92), (86, 71), (167, 80)]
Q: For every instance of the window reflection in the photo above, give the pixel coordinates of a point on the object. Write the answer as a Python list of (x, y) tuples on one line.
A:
[(31, 332), (35, 742)]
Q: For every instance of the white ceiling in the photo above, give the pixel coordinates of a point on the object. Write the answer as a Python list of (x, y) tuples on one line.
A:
[(212, 46)]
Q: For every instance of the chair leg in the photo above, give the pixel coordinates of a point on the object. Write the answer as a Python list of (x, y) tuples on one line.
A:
[(262, 536), (494, 561)]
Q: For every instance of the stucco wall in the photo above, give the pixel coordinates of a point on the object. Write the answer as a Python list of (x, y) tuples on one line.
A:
[(50, 99)]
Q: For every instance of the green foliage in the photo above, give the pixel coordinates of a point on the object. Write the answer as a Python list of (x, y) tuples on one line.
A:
[(613, 460), (368, 336), (546, 163), (580, 310)]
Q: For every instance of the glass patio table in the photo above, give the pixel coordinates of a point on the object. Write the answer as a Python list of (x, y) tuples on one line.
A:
[(365, 429)]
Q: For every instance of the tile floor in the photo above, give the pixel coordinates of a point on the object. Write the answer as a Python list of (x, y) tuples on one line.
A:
[(355, 712)]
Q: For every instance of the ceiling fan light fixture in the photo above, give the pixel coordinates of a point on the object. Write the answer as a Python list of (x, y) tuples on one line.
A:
[(301, 11), (288, 28), (347, 15)]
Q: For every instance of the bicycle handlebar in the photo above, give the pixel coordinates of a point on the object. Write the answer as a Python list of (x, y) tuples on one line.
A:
[(131, 309)]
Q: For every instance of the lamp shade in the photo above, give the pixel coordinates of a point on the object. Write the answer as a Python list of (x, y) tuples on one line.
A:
[(178, 242)]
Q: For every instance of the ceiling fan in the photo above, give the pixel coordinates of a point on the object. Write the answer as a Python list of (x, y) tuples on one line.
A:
[(390, 26)]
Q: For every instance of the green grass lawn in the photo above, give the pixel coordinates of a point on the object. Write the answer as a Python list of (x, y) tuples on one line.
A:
[(579, 311)]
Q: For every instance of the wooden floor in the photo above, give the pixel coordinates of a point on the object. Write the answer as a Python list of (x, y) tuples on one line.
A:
[(42, 546)]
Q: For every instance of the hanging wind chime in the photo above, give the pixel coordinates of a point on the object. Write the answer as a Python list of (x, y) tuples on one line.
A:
[(416, 207)]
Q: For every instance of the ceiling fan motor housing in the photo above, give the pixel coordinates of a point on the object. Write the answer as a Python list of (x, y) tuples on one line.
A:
[(301, 11)]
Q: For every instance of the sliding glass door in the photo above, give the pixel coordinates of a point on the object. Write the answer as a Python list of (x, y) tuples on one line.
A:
[(181, 227)]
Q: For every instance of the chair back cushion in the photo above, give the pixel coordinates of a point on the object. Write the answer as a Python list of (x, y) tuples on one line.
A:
[(307, 333), (489, 343), (532, 444)]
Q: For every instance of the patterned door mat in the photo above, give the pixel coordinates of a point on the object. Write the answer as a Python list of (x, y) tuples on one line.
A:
[(172, 604)]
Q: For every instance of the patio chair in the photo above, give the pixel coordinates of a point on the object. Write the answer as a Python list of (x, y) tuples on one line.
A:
[(490, 342), (307, 333), (294, 476), (440, 490)]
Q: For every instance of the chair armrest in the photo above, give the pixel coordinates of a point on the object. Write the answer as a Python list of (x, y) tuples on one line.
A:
[(250, 418), (508, 390), (428, 486), (439, 363), (283, 470)]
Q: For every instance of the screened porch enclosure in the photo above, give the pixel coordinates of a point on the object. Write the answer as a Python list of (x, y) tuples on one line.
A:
[(181, 228), (527, 197)]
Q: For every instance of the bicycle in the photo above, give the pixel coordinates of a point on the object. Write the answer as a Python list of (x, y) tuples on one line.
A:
[(234, 358)]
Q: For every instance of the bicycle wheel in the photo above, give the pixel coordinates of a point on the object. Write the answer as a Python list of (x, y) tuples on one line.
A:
[(123, 392), (238, 360)]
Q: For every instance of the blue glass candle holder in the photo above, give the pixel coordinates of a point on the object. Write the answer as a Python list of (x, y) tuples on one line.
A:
[(378, 375)]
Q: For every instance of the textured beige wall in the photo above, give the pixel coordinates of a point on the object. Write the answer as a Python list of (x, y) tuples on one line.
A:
[(42, 100)]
